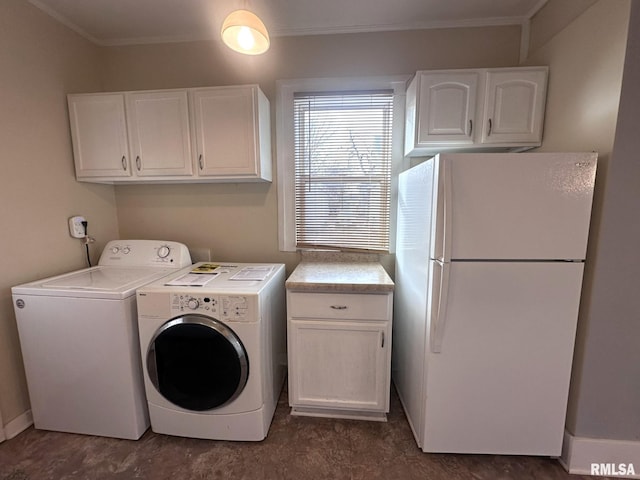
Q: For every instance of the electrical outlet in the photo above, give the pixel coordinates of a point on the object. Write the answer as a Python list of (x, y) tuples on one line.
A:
[(76, 229)]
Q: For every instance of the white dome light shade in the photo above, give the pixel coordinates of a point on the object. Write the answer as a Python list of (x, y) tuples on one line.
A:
[(244, 32)]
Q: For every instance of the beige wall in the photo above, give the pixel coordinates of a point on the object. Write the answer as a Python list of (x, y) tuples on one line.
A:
[(607, 386), (40, 61), (239, 221), (553, 18), (211, 63), (586, 60), (607, 389)]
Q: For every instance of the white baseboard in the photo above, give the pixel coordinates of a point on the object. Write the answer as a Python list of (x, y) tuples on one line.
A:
[(618, 457), (18, 424)]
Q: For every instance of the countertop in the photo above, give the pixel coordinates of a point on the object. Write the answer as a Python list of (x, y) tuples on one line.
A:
[(361, 277)]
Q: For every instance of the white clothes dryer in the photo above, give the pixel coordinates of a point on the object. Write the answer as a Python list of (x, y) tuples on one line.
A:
[(79, 338), (213, 349)]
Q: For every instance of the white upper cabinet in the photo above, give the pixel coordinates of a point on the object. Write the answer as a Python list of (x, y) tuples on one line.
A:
[(232, 133), (217, 134), (99, 135), (475, 110), (446, 104), (514, 106), (159, 134)]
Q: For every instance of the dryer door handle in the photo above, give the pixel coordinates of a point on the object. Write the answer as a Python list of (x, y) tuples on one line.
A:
[(152, 366)]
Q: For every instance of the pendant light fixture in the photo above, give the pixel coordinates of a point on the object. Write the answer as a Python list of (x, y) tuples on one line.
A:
[(244, 32)]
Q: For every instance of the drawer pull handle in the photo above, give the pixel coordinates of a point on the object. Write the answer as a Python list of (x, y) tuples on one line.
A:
[(339, 307)]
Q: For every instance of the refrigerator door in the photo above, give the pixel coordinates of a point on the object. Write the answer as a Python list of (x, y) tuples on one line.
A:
[(502, 206), (499, 381)]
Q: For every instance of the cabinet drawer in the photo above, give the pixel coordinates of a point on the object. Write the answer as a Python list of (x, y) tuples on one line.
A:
[(339, 305)]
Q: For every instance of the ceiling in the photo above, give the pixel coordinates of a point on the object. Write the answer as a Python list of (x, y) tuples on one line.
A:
[(124, 22)]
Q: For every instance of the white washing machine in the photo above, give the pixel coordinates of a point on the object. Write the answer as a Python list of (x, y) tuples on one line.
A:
[(79, 339), (213, 349)]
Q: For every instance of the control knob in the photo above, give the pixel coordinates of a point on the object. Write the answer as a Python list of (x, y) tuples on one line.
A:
[(115, 250), (193, 303), (164, 251)]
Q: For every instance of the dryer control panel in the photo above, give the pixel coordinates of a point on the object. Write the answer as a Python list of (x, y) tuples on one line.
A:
[(228, 308)]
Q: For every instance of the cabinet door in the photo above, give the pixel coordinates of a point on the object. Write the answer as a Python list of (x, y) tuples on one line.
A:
[(514, 106), (99, 135), (226, 130), (446, 108), (340, 365), (159, 133)]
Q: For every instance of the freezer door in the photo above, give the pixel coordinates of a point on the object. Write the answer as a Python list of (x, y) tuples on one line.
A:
[(498, 374), (513, 206)]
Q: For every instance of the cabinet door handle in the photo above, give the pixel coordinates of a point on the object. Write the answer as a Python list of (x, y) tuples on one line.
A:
[(138, 163), (124, 163), (470, 127), (200, 164), (381, 339), (339, 307), (490, 127)]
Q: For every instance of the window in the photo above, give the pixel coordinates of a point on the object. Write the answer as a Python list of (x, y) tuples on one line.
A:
[(337, 154), (342, 169)]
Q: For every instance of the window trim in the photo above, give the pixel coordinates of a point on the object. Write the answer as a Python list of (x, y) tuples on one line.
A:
[(285, 158)]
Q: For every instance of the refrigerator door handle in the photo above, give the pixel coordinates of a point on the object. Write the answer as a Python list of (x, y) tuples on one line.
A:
[(446, 241), (443, 213), (439, 306)]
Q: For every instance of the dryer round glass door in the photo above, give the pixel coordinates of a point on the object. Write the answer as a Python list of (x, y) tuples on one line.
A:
[(197, 363)]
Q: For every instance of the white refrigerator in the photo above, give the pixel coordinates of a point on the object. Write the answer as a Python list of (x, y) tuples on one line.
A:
[(489, 262)]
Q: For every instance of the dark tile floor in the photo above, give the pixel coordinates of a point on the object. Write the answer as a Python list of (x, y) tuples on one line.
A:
[(300, 448)]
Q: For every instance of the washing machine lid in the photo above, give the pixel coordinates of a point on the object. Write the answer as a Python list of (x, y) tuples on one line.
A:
[(96, 282)]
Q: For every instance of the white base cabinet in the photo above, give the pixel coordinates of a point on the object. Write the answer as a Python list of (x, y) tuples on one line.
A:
[(339, 348), (215, 134), (475, 110)]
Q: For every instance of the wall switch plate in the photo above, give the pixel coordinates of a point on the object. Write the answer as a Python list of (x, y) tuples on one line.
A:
[(76, 229)]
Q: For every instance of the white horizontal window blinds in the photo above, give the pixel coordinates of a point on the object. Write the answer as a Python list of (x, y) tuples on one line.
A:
[(343, 170)]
